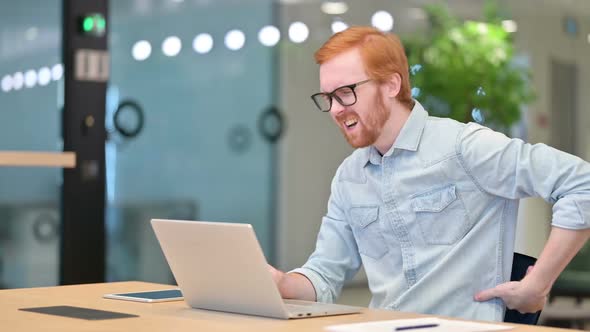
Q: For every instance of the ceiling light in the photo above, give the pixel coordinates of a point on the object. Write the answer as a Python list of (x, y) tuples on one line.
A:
[(235, 40), (338, 26), (6, 83), (334, 7), (57, 72), (44, 76), (171, 46), (203, 43), (18, 80), (382, 20), (141, 50), (269, 36), (30, 78), (298, 32)]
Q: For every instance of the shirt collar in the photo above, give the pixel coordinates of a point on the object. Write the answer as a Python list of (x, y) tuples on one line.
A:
[(408, 138)]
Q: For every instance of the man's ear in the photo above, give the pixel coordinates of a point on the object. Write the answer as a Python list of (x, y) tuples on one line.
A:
[(393, 85)]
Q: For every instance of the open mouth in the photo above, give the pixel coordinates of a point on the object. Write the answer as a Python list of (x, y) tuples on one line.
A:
[(350, 123)]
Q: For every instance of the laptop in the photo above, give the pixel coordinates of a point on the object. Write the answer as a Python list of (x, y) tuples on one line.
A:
[(220, 266)]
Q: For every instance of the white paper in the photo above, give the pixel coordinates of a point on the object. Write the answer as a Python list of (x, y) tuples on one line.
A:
[(444, 325)]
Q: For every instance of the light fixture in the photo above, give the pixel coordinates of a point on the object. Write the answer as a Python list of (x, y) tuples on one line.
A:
[(298, 32), (6, 83), (338, 26), (588, 38), (141, 50), (171, 46), (57, 72), (235, 40), (509, 26), (44, 76), (18, 80), (334, 7), (382, 20), (203, 43), (269, 36), (30, 78)]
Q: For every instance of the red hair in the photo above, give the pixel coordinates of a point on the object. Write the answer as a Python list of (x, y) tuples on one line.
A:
[(382, 53)]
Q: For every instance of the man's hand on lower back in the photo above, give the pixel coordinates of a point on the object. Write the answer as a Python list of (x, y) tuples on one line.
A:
[(524, 296)]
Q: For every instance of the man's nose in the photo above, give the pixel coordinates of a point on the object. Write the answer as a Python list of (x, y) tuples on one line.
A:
[(336, 108)]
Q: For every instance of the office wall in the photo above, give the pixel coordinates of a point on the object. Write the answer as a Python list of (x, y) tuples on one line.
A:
[(542, 37), (201, 154)]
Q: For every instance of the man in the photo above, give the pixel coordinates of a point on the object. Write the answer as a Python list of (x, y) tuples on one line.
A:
[(428, 205)]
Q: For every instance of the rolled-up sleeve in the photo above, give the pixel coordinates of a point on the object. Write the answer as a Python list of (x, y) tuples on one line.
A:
[(513, 169), (336, 258)]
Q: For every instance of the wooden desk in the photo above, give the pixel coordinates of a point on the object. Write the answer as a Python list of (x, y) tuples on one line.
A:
[(166, 316), (38, 159)]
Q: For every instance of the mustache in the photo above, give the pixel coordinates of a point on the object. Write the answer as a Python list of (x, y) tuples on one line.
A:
[(340, 118)]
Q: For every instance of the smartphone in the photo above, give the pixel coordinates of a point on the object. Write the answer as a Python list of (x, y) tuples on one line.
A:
[(148, 296)]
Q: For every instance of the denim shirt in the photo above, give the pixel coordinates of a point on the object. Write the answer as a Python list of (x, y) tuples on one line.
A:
[(433, 220)]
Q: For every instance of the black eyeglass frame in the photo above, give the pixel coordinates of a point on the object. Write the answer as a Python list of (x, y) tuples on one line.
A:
[(332, 95)]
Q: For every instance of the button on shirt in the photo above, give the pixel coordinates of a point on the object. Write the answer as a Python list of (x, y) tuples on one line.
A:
[(433, 220)]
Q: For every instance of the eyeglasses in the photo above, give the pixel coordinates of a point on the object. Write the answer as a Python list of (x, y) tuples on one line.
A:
[(345, 96)]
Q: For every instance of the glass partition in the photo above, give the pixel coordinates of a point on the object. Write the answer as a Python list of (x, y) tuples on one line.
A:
[(30, 120), (190, 85)]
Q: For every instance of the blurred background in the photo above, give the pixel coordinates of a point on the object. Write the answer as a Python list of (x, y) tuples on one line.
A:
[(208, 117)]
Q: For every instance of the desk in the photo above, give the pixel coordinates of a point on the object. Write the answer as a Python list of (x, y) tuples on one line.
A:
[(166, 316), (38, 159)]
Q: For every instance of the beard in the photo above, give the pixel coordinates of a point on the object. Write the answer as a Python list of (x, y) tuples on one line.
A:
[(366, 131)]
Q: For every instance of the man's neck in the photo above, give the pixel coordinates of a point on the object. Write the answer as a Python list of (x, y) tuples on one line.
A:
[(392, 128)]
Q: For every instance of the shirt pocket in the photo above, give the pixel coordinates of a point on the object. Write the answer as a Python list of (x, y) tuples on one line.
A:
[(441, 215), (367, 230)]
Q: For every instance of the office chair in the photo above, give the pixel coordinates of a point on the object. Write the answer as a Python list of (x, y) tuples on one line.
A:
[(520, 264)]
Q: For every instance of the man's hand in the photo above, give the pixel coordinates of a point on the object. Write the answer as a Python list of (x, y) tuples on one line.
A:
[(277, 275), (292, 285), (523, 295)]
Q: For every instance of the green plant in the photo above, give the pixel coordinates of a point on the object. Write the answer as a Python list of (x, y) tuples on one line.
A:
[(465, 70)]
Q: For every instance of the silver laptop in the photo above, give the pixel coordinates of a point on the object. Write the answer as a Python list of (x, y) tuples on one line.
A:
[(220, 266)]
